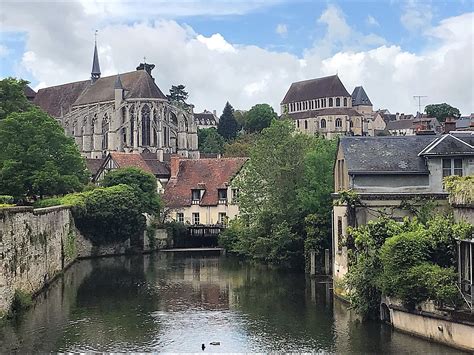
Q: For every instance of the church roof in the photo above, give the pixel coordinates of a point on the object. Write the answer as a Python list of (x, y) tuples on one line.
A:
[(137, 84), (314, 89), (95, 62), (53, 98), (359, 97)]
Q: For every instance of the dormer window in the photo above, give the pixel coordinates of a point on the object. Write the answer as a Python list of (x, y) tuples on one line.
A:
[(222, 195), (195, 196)]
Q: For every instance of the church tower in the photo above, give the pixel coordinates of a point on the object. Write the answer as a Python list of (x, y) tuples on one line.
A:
[(95, 73)]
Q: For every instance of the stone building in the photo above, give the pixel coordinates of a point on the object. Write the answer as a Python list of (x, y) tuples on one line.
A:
[(206, 119), (324, 106), (121, 113)]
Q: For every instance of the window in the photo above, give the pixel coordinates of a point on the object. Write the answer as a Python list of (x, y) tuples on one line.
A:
[(339, 234), (180, 217), (330, 102), (222, 218), (196, 218), (351, 124), (317, 103), (145, 125), (338, 123), (338, 102), (452, 167), (323, 123), (235, 195), (222, 195), (305, 124), (196, 196), (298, 123), (345, 102)]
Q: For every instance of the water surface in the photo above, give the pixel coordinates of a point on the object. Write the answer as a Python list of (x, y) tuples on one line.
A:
[(175, 302)]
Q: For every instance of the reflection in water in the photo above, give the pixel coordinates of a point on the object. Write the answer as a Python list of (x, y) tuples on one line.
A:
[(176, 302)]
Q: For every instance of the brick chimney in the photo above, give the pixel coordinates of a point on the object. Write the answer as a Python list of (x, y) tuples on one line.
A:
[(449, 124), (174, 166)]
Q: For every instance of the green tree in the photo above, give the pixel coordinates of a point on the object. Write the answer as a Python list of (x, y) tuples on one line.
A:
[(144, 183), (227, 126), (12, 97), (37, 158), (177, 93), (259, 117), (441, 111), (241, 146), (210, 141)]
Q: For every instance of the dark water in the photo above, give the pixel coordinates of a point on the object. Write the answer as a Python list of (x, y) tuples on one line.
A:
[(175, 302)]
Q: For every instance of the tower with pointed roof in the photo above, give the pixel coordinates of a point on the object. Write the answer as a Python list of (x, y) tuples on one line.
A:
[(95, 73)]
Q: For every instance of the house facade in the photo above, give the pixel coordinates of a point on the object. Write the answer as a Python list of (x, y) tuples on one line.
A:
[(201, 191), (206, 119), (387, 172), (121, 113), (324, 106)]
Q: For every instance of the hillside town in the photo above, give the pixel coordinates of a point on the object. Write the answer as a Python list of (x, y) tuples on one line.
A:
[(123, 208)]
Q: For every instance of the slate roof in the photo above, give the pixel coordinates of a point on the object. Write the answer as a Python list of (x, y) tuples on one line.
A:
[(359, 97), (451, 144), (93, 165), (137, 84), (205, 119), (333, 111), (385, 155), (464, 122), (314, 89), (208, 174), (130, 160), (29, 92), (53, 98), (400, 124)]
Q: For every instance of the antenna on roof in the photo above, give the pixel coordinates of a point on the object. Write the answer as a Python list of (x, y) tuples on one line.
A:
[(419, 97), (144, 60)]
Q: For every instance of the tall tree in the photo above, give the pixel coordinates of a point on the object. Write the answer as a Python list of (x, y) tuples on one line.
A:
[(37, 158), (210, 141), (259, 117), (442, 111), (228, 126), (177, 93), (12, 97)]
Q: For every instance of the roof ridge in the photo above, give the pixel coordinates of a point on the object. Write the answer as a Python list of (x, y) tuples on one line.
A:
[(320, 78)]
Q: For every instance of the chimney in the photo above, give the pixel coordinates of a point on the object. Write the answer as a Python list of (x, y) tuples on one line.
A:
[(174, 166), (214, 112), (449, 124), (397, 116)]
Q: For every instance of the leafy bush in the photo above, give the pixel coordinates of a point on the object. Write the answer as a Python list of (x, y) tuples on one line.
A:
[(6, 199)]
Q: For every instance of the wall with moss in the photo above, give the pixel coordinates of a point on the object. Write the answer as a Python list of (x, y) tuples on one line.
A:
[(35, 245)]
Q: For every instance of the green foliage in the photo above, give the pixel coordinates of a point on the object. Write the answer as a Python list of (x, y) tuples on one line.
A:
[(210, 141), (37, 158), (12, 97), (228, 126), (277, 192), (241, 146), (144, 184), (178, 94), (422, 208), (460, 188), (6, 199), (21, 301), (259, 117), (442, 111)]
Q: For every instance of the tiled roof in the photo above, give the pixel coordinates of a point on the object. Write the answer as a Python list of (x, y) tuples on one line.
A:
[(137, 84), (53, 98), (451, 144), (29, 92), (93, 165), (130, 160), (385, 155), (210, 174), (314, 89), (400, 124), (205, 118), (359, 97), (158, 168), (333, 111)]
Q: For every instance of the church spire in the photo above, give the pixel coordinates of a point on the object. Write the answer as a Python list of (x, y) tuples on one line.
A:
[(95, 73)]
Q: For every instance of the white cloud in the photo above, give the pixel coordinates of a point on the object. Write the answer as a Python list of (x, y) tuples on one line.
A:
[(59, 50), (4, 51), (371, 21), (282, 30), (416, 16)]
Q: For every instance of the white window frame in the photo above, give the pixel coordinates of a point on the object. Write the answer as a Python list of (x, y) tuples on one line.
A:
[(196, 220)]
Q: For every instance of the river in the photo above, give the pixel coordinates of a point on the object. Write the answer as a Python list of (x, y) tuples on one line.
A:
[(175, 302)]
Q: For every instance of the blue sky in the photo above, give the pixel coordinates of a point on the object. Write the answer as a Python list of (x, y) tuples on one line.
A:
[(257, 47)]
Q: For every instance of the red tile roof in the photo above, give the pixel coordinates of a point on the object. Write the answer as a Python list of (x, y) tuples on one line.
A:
[(130, 160), (208, 174)]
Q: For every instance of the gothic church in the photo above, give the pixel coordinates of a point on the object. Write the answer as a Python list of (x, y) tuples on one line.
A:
[(122, 113)]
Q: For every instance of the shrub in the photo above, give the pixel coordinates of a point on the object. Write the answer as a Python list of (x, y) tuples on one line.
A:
[(6, 199), (21, 300)]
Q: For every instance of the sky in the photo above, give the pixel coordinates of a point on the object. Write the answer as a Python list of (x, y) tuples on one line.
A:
[(249, 52)]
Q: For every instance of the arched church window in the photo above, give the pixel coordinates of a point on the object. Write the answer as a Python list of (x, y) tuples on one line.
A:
[(351, 124), (345, 102), (323, 123), (338, 123), (105, 132), (173, 118), (330, 102), (145, 125), (338, 102)]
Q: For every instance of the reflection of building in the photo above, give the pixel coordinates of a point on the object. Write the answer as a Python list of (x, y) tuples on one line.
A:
[(324, 106), (386, 171), (200, 191), (124, 113)]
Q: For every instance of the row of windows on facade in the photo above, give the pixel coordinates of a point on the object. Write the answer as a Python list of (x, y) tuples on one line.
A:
[(317, 104), (197, 194), (196, 219), (323, 124)]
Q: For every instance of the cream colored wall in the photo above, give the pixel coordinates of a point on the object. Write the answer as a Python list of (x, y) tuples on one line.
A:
[(331, 131), (337, 174), (340, 259), (440, 330)]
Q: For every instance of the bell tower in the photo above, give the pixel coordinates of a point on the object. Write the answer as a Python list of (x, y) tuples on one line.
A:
[(95, 73)]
